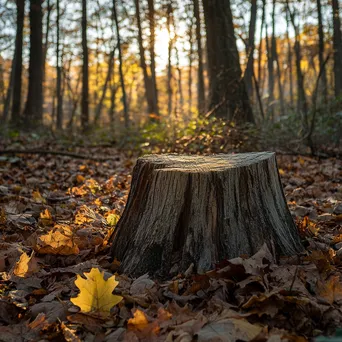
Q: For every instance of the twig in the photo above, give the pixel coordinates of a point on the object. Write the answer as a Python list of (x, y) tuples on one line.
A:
[(59, 153), (294, 278)]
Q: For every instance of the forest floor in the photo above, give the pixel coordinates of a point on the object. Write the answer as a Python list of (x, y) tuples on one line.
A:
[(57, 214)]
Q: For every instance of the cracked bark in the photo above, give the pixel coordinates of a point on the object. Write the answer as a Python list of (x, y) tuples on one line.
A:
[(201, 210)]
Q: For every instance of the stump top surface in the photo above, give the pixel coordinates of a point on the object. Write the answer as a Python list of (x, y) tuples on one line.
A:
[(198, 164)]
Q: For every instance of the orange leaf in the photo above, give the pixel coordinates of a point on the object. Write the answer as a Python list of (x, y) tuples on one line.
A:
[(59, 240), (26, 265)]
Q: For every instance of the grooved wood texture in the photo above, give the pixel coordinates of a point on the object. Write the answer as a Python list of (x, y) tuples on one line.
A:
[(202, 209)]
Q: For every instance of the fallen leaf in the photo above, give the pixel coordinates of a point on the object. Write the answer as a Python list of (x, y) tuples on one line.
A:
[(26, 266), (229, 330), (96, 292), (139, 321), (46, 218), (330, 290), (59, 240), (37, 197), (112, 219)]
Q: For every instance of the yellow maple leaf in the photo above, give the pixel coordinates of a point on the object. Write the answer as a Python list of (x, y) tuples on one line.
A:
[(96, 293)]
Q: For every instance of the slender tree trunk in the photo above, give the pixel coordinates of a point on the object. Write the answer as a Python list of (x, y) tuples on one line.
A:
[(201, 101), (111, 111), (302, 105), (262, 24), (323, 79), (337, 45), (49, 8), (228, 95), (151, 16), (289, 56), (250, 50), (2, 83), (169, 62), (85, 71), (270, 72), (191, 51), (59, 74), (122, 81), (18, 64), (149, 92), (47, 32), (275, 58), (9, 93), (34, 103), (104, 90), (180, 83)]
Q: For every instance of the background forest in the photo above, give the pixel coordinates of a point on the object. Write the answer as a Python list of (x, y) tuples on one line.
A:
[(162, 70)]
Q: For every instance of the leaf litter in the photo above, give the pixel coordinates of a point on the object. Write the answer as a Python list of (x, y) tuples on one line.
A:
[(57, 282)]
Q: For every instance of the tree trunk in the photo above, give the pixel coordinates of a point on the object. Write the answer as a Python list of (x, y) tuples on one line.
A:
[(250, 50), (270, 73), (151, 16), (169, 62), (180, 83), (201, 210), (262, 24), (111, 111), (149, 92), (337, 45), (49, 8), (122, 80), (275, 58), (34, 102), (2, 83), (18, 63), (9, 93), (302, 105), (59, 124), (191, 52), (324, 82), (85, 71), (228, 96), (289, 56), (201, 104), (105, 86)]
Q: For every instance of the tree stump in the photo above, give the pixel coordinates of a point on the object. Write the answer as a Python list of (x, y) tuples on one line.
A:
[(185, 209)]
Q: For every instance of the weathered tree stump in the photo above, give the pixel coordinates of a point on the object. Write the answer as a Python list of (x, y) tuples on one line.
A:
[(201, 210)]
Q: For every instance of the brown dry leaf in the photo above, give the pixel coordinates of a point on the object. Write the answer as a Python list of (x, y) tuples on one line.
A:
[(69, 334), (60, 240), (307, 227), (330, 290), (3, 218), (26, 266), (229, 330), (322, 260), (96, 293)]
